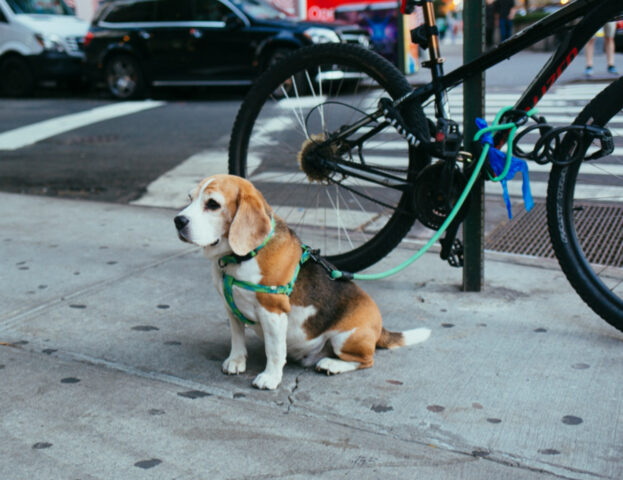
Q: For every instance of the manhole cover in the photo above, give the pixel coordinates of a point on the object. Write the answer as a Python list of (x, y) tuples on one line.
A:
[(599, 229)]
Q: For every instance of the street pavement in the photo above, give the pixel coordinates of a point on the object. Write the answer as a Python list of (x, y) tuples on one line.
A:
[(112, 337)]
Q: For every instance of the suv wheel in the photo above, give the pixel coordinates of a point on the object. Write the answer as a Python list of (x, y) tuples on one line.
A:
[(16, 78), (124, 77)]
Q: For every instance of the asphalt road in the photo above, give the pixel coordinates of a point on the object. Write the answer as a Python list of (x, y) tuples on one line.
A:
[(115, 159)]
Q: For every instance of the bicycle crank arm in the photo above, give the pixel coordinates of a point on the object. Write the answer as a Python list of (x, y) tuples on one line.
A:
[(451, 247)]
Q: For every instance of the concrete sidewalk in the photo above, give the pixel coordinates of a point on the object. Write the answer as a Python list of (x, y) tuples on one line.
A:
[(113, 336)]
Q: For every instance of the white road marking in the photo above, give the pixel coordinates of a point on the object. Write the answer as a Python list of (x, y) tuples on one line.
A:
[(171, 189), (559, 106), (539, 190), (345, 219), (24, 136)]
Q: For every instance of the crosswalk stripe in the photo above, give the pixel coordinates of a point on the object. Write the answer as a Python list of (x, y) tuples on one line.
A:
[(172, 188), (23, 136), (603, 193), (401, 147), (550, 118), (560, 107), (331, 218)]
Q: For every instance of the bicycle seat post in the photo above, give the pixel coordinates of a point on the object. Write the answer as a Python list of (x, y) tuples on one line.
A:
[(435, 63)]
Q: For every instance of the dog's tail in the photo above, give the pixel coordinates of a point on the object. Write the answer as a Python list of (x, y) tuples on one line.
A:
[(402, 339)]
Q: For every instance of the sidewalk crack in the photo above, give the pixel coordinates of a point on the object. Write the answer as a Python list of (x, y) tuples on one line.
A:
[(293, 391)]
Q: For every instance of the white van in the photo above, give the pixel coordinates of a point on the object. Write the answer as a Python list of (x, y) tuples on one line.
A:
[(39, 40)]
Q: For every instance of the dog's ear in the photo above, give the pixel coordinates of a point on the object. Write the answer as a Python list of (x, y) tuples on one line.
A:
[(251, 224)]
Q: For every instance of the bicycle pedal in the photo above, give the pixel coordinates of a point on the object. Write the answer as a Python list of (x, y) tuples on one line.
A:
[(455, 258), (393, 116)]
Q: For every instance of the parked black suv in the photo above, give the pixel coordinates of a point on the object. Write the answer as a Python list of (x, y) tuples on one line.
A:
[(134, 44)]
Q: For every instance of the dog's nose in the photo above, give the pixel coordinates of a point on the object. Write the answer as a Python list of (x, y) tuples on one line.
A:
[(180, 221)]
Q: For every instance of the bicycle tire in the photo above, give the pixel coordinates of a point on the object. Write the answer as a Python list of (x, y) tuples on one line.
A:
[(569, 201), (291, 74)]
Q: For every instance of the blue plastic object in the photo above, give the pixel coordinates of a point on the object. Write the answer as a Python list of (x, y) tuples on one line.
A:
[(497, 160)]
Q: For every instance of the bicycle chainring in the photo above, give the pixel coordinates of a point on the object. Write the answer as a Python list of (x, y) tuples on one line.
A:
[(433, 200)]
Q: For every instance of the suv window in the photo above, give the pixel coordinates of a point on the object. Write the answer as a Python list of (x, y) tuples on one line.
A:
[(40, 6), (173, 11), (211, 11), (137, 11)]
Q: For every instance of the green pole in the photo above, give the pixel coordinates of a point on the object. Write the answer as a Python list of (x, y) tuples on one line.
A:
[(473, 106)]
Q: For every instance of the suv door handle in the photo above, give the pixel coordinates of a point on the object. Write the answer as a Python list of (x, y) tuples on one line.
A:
[(196, 33)]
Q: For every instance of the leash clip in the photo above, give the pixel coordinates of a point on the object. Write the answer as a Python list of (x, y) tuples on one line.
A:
[(329, 267)]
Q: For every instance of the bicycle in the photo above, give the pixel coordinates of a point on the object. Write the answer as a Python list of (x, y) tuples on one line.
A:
[(313, 128)]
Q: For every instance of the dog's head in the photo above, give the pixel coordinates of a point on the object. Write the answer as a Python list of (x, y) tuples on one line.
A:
[(226, 214)]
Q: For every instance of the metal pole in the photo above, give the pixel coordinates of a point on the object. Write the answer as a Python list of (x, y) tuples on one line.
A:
[(473, 106)]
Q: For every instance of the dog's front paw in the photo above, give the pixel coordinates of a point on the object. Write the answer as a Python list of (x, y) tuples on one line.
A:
[(234, 366), (266, 381)]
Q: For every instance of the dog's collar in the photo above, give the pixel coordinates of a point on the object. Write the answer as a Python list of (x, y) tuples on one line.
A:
[(236, 259), (229, 282)]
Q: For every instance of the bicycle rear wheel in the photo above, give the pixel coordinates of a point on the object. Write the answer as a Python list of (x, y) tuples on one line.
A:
[(585, 214), (297, 105)]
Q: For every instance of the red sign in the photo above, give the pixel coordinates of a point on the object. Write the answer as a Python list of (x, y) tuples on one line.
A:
[(324, 10)]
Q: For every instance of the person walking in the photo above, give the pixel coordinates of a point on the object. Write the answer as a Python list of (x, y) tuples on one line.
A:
[(505, 10), (609, 29)]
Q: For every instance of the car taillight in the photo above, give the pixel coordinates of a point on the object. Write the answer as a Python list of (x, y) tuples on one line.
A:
[(87, 38)]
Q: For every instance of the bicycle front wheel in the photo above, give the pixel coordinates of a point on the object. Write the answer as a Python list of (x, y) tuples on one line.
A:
[(282, 141), (585, 214)]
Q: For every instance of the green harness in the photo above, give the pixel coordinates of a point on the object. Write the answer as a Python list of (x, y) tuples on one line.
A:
[(229, 282)]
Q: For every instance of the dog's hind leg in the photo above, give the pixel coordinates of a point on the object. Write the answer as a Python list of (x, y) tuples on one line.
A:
[(354, 352)]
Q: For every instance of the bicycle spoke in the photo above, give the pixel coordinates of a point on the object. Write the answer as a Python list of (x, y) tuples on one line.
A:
[(309, 170)]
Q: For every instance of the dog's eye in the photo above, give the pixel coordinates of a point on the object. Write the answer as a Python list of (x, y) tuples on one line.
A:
[(212, 205)]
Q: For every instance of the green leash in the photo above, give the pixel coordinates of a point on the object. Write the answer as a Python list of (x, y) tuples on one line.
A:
[(229, 282), (495, 127)]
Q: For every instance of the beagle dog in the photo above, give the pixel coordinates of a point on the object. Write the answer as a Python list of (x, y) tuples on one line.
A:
[(300, 312)]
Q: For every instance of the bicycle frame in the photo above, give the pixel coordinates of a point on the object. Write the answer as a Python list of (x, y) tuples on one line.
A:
[(593, 14)]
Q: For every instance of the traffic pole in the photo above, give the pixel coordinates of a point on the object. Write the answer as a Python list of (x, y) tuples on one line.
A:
[(473, 106)]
